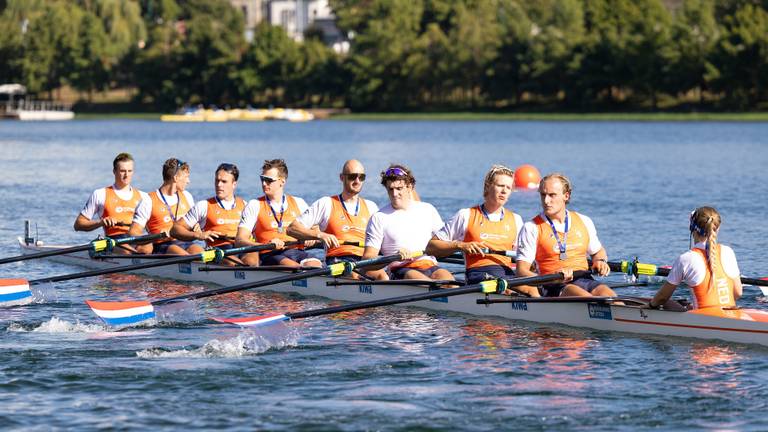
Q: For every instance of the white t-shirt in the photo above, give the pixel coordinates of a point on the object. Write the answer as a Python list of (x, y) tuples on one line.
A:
[(199, 212), (691, 268), (529, 237), (144, 209), (251, 212), (456, 227), (319, 213), (94, 207), (390, 230)]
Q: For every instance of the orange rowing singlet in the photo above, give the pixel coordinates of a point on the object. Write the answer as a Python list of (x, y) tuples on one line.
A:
[(347, 227), (120, 210), (548, 253), (223, 220), (501, 235), (722, 294)]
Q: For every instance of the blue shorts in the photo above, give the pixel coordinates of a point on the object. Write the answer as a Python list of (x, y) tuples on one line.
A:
[(274, 257), (479, 274), (342, 258), (399, 273), (118, 236), (162, 248), (587, 283)]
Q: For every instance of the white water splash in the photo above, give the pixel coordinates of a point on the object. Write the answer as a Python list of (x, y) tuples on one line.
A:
[(246, 343), (57, 325), (181, 312)]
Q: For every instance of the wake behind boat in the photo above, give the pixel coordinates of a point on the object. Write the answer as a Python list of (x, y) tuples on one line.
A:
[(599, 313)]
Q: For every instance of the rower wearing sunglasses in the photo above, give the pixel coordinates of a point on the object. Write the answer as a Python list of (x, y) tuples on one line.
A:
[(113, 207), (266, 220), (169, 203), (404, 225), (217, 217), (339, 220)]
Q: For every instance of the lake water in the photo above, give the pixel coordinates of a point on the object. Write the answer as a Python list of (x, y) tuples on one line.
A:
[(387, 368)]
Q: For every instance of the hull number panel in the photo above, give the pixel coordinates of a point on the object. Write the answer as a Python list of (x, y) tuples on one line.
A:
[(185, 268), (599, 311)]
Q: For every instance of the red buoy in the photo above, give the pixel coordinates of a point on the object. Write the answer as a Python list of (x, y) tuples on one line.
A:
[(527, 177)]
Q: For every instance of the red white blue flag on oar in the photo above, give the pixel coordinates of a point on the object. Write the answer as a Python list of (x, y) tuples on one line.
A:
[(254, 321), (14, 292), (122, 313)]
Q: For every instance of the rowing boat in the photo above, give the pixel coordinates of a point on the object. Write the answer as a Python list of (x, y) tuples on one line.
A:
[(739, 325)]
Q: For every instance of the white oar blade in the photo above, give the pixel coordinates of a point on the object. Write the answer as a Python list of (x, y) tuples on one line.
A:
[(122, 314), (14, 292), (764, 290), (263, 320)]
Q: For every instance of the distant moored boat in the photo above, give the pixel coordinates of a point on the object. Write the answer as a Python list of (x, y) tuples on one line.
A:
[(15, 105)]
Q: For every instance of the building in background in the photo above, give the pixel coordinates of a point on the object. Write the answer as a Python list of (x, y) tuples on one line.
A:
[(296, 17)]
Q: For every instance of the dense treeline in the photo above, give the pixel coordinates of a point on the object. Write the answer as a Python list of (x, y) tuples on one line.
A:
[(405, 54)]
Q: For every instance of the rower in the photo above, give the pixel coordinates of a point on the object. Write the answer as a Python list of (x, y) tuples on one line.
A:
[(402, 226), (340, 219), (113, 207), (170, 202), (708, 268), (217, 217), (266, 219), (488, 226), (559, 240)]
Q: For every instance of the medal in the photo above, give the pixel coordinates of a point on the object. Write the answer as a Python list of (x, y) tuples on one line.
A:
[(561, 246), (274, 215)]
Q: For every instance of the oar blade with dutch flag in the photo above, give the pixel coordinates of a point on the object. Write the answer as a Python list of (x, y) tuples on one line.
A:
[(123, 314)]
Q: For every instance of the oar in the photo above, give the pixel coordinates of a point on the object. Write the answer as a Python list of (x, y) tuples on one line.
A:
[(134, 312), (636, 268), (490, 286), (15, 292), (95, 246)]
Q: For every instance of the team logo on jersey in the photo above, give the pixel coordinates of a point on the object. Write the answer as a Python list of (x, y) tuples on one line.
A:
[(166, 219), (491, 236), (507, 227), (346, 228)]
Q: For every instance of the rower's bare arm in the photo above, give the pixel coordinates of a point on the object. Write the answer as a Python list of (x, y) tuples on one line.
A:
[(524, 269), (135, 230), (182, 232), (243, 238), (82, 223), (737, 287), (441, 248), (600, 263), (298, 231), (663, 294), (371, 252)]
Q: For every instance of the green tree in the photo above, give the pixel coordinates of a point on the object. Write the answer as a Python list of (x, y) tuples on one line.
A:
[(695, 34)]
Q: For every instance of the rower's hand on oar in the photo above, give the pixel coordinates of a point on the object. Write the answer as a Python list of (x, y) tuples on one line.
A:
[(108, 222), (405, 254), (472, 248), (329, 240), (567, 274), (601, 267), (310, 243), (279, 244), (209, 235)]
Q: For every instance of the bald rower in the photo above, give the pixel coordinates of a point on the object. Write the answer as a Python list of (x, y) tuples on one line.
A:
[(340, 220)]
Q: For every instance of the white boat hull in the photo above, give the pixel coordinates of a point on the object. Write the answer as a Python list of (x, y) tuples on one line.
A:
[(743, 325)]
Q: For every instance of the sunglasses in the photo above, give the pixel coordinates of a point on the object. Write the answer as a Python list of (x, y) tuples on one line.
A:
[(267, 179), (179, 163), (396, 172), (354, 176)]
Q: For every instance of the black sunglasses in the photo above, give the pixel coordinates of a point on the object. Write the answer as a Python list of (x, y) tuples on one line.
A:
[(353, 176)]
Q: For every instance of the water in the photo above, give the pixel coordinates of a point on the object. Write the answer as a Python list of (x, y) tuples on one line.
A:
[(382, 369)]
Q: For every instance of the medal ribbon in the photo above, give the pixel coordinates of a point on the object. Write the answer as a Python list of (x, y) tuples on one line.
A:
[(274, 215), (562, 246)]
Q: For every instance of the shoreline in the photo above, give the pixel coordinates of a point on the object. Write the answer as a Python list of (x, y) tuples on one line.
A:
[(489, 116)]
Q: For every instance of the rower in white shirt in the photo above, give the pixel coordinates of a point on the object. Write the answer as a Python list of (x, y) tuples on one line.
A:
[(404, 226), (113, 207), (339, 220), (266, 220), (217, 216), (167, 204)]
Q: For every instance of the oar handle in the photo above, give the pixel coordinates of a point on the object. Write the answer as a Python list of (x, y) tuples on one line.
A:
[(93, 246), (208, 256), (489, 286), (334, 269)]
